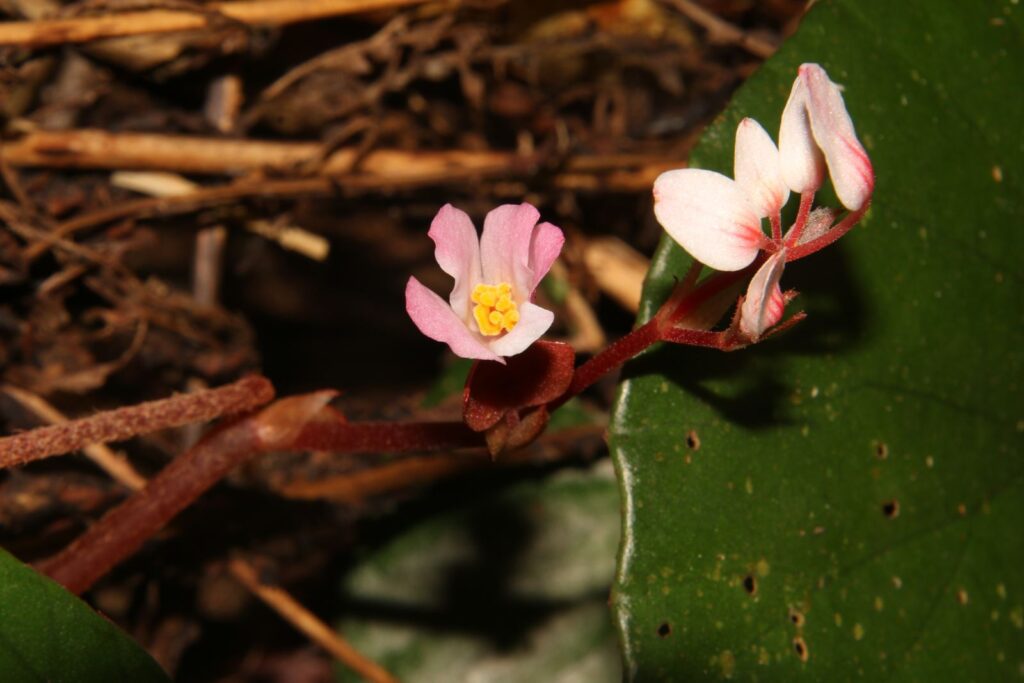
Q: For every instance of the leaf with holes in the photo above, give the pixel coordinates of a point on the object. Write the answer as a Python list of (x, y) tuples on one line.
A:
[(845, 501), (47, 634)]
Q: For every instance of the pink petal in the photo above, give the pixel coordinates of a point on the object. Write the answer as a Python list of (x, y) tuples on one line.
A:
[(457, 250), (534, 321), (756, 168), (544, 249), (505, 247), (763, 305), (709, 216), (800, 160), (848, 163), (435, 318)]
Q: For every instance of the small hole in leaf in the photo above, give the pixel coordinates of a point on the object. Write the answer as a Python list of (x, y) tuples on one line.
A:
[(750, 584), (692, 440), (891, 508), (665, 630), (800, 647), (881, 450), (797, 617)]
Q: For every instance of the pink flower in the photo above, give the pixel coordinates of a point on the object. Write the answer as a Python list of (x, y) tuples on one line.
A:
[(489, 314), (718, 220)]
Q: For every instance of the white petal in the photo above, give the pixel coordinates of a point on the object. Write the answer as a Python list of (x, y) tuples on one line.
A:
[(801, 162), (709, 216), (756, 168), (534, 321), (763, 305), (848, 163)]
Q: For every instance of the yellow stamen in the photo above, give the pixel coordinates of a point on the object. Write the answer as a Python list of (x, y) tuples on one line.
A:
[(495, 311)]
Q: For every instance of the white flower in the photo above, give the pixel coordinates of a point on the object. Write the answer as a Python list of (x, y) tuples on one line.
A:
[(718, 219)]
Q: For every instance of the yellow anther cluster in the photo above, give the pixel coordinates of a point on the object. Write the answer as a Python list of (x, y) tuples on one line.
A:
[(495, 312)]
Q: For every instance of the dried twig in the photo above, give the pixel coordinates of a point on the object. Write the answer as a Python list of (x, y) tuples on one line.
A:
[(380, 169), (13, 184), (116, 425), (292, 238), (721, 31), (206, 264), (252, 12), (91, 148), (169, 206), (305, 621), (347, 167)]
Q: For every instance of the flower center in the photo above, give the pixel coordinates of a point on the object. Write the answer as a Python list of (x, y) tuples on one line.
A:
[(495, 312)]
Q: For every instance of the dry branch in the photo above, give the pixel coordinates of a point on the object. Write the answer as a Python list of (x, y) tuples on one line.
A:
[(304, 620), (721, 31), (88, 148), (252, 13), (100, 149)]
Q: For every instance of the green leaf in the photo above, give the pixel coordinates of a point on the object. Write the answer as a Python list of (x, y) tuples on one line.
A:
[(511, 587), (47, 634), (852, 490)]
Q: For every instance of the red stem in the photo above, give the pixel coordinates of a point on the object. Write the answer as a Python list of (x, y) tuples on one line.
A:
[(124, 423), (384, 437), (776, 227), (654, 330), (123, 530), (610, 358), (806, 199), (679, 335)]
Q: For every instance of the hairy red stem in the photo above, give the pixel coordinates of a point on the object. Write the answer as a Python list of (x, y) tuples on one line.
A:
[(610, 358), (776, 220), (124, 423), (806, 199), (122, 531), (673, 311), (384, 437)]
